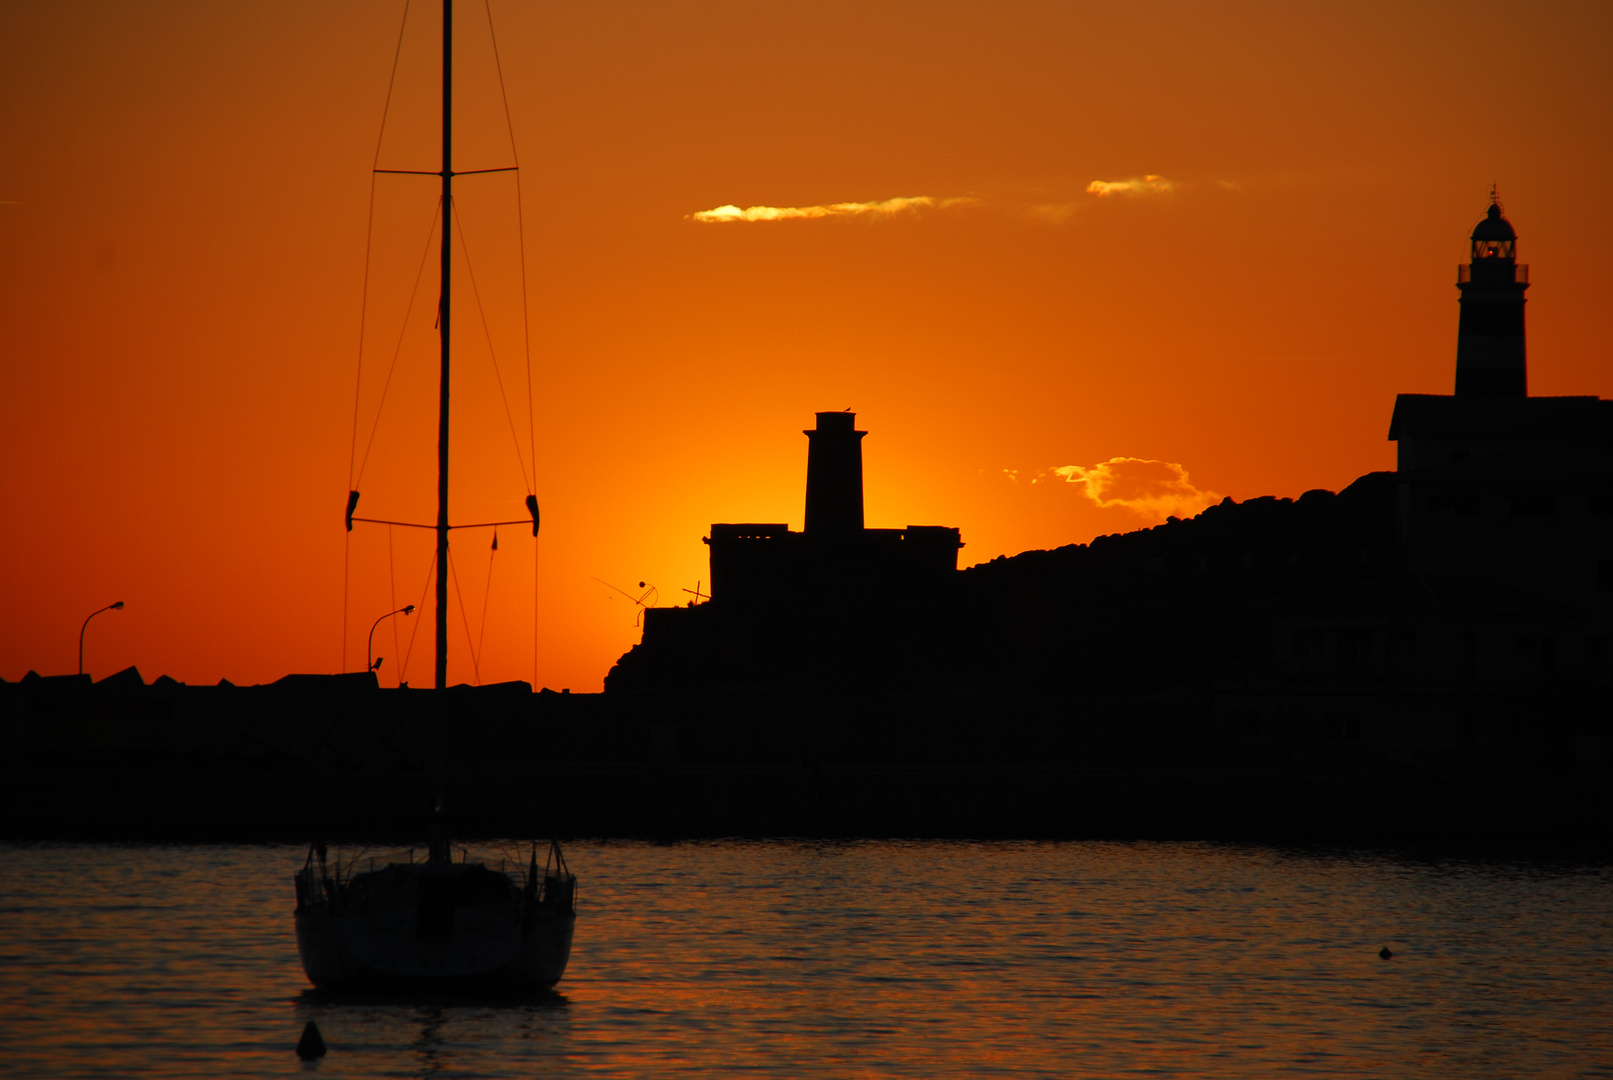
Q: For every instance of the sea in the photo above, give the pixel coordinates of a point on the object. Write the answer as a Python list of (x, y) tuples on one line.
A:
[(847, 959)]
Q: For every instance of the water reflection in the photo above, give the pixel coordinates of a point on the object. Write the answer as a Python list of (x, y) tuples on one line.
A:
[(891, 959), (440, 1036)]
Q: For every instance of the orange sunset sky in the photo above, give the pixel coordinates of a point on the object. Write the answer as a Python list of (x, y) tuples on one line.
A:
[(1219, 237)]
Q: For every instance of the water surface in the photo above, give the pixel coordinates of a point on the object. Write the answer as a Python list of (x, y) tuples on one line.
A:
[(856, 959)]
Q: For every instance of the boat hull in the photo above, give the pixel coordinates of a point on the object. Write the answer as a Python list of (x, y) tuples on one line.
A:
[(382, 952)]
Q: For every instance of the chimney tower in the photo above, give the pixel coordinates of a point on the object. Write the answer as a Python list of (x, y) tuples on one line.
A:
[(1489, 337), (834, 492)]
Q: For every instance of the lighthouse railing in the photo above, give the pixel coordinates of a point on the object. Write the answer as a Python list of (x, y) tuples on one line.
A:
[(1520, 274)]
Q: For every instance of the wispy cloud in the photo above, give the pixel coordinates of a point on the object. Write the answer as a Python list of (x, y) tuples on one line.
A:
[(882, 208), (1154, 489), (1052, 213), (1144, 185), (1060, 213)]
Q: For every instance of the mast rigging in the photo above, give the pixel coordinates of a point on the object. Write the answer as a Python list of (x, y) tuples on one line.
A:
[(445, 211)]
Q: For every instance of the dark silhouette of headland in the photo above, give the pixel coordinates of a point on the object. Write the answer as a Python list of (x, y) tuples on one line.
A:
[(1483, 562), (1423, 655)]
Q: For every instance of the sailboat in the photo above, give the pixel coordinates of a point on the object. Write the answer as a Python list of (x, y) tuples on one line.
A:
[(439, 923)]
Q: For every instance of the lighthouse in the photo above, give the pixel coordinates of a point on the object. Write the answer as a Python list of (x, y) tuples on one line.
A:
[(1489, 336), (1507, 490)]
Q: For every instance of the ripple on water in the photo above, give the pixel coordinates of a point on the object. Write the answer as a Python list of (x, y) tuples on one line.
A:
[(833, 959)]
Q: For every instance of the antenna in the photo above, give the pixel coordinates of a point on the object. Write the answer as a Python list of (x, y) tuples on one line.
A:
[(650, 593), (696, 593)]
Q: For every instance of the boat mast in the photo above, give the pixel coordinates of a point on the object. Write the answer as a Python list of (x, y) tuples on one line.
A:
[(442, 319)]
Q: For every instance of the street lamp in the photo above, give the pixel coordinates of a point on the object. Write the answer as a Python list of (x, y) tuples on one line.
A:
[(110, 607), (369, 649)]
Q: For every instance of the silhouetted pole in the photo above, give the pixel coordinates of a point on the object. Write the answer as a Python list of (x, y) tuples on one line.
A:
[(442, 315), (110, 607), (369, 649)]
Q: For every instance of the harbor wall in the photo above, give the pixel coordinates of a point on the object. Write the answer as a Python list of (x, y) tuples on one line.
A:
[(345, 760)]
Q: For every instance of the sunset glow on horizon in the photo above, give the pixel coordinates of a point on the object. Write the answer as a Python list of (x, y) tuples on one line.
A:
[(1076, 267)]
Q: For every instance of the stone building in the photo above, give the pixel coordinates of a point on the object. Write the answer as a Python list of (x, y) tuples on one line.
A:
[(834, 606)]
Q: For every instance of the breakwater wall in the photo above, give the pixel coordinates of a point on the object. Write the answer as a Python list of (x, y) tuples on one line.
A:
[(339, 758)]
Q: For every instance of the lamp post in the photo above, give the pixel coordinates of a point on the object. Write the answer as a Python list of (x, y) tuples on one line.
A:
[(110, 607), (369, 649)]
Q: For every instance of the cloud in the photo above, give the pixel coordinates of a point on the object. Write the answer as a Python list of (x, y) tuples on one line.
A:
[(1146, 185), (1154, 489), (1052, 213), (883, 208)]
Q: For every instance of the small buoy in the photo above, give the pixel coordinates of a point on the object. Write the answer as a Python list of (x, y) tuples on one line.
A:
[(1383, 954), (310, 1045)]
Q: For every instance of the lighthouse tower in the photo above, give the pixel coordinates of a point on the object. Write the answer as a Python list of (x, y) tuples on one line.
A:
[(834, 487), (1489, 337)]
